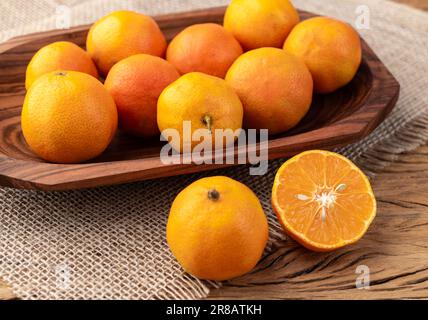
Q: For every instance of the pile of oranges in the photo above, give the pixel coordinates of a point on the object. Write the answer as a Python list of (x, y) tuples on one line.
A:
[(259, 70)]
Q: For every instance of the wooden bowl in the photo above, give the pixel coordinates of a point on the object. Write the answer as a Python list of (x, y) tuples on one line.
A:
[(334, 120)]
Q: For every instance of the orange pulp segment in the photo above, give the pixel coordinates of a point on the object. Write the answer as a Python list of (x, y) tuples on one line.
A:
[(323, 200)]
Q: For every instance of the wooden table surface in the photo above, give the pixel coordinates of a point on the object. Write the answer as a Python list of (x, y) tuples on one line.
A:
[(395, 249)]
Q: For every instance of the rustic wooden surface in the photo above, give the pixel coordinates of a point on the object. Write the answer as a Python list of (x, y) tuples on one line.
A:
[(353, 112), (395, 248), (420, 4)]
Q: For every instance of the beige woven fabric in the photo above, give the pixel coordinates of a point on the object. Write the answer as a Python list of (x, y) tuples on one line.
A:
[(110, 242)]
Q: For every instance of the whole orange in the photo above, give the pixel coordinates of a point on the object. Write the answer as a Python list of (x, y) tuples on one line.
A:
[(207, 104), (207, 48), (68, 117), (217, 229), (274, 86), (260, 23), (330, 48), (122, 34), (61, 55), (135, 84)]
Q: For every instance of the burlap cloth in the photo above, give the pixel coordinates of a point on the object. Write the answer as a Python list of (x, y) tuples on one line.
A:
[(110, 242)]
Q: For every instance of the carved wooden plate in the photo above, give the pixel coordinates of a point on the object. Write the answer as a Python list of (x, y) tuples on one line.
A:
[(334, 120)]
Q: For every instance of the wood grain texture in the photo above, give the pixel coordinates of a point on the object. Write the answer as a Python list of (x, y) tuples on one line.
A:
[(419, 4), (5, 292), (334, 120), (395, 249), (402, 218)]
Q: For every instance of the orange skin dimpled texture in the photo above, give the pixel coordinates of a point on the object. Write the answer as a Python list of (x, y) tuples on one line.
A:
[(74, 123), (260, 23), (330, 48), (135, 84), (274, 86), (217, 229), (122, 34), (61, 55), (207, 48)]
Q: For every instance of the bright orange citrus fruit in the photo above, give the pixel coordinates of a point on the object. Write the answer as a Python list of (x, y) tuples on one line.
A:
[(274, 86), (68, 117), (206, 47), (135, 84), (323, 200), (122, 34), (260, 23), (330, 48), (60, 55), (207, 102), (217, 229)]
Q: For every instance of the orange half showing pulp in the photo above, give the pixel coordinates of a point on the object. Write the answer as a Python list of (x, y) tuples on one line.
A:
[(323, 200)]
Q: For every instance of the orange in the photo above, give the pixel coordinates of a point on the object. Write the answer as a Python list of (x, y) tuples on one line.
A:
[(323, 200), (217, 229), (330, 48), (68, 117), (61, 55), (207, 48), (122, 34), (260, 23), (274, 86), (135, 84), (206, 102)]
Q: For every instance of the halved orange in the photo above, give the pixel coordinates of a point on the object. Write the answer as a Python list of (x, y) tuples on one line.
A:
[(323, 200)]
